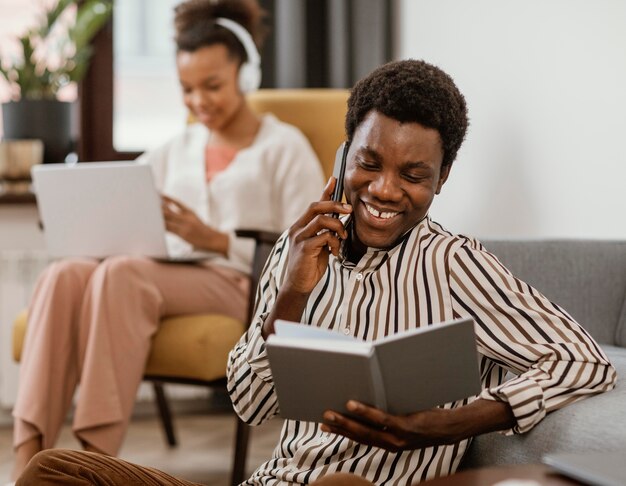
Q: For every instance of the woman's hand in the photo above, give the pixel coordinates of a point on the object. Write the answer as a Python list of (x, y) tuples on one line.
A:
[(428, 428), (311, 240), (183, 222)]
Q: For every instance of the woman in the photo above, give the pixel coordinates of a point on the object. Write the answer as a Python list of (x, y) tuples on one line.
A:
[(92, 321)]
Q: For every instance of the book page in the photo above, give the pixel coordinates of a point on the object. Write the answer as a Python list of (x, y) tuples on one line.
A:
[(352, 347), (426, 368), (305, 331)]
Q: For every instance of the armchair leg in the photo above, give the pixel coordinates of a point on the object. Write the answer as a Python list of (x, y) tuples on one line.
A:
[(164, 413), (241, 452)]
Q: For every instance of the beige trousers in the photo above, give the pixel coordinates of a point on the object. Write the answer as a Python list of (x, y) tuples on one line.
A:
[(92, 322)]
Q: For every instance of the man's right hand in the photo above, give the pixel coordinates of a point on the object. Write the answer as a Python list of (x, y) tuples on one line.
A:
[(311, 240)]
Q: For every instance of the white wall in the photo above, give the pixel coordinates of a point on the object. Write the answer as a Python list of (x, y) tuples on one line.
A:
[(20, 238), (545, 82)]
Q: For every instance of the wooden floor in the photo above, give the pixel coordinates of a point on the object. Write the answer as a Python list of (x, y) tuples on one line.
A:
[(204, 453)]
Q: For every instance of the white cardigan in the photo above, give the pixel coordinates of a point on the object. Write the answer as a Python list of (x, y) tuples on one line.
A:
[(267, 186)]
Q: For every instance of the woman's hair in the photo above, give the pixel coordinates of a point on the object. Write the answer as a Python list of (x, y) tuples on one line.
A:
[(194, 22), (412, 91)]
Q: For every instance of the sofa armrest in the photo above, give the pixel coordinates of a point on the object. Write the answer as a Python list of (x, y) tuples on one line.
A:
[(595, 423)]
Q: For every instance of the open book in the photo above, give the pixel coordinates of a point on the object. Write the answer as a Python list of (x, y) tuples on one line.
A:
[(315, 370)]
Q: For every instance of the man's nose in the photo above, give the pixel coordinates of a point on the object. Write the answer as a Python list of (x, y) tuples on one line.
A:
[(385, 187)]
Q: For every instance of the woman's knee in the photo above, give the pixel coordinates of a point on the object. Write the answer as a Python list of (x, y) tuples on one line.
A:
[(69, 273), (60, 288), (125, 279), (122, 268)]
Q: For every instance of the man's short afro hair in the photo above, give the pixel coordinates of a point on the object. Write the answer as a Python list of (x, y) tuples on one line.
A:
[(412, 91)]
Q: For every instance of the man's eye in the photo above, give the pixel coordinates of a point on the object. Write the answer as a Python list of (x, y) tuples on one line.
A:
[(414, 178), (364, 164)]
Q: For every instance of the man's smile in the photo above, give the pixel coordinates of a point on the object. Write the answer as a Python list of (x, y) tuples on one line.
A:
[(380, 213)]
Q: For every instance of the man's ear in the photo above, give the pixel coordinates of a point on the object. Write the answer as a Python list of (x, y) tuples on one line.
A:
[(443, 177)]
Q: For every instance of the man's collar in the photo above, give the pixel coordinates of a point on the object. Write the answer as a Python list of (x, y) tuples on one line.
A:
[(348, 223)]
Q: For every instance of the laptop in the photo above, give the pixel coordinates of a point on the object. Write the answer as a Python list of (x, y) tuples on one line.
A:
[(596, 468), (100, 209)]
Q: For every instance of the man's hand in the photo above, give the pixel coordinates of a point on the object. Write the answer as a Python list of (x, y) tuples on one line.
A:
[(311, 240), (182, 221), (429, 428)]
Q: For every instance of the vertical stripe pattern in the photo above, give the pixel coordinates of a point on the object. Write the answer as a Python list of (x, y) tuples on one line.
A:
[(429, 277)]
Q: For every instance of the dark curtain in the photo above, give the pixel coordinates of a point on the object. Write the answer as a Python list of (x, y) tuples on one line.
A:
[(324, 43)]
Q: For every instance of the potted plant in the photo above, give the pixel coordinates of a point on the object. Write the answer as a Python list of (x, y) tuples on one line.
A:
[(54, 54)]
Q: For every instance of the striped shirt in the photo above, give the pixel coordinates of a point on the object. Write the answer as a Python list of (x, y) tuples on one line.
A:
[(429, 277)]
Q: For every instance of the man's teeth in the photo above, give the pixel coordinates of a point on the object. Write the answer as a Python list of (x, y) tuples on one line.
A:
[(378, 214)]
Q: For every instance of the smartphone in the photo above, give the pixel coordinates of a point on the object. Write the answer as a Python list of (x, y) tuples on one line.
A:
[(339, 171)]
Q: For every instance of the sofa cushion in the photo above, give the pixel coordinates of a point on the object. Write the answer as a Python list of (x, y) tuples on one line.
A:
[(585, 277), (597, 423)]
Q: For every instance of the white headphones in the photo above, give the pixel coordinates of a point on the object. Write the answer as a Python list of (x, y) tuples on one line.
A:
[(250, 71)]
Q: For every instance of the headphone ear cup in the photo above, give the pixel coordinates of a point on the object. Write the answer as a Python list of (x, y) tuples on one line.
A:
[(249, 77)]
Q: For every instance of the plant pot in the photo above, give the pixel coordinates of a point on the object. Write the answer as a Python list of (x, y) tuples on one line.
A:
[(47, 120)]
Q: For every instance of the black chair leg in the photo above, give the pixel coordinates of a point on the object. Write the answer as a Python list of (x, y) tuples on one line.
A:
[(241, 452), (164, 413)]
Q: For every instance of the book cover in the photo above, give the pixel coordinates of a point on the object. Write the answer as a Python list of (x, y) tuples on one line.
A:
[(316, 369)]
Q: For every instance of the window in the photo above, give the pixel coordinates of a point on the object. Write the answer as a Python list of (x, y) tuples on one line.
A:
[(130, 99), (147, 104)]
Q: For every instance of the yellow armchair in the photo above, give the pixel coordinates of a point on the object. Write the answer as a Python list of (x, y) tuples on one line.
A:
[(318, 113)]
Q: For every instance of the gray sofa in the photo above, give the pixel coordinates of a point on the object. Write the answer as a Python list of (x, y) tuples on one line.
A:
[(588, 279)]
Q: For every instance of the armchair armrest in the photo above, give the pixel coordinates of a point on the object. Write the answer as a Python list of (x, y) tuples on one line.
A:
[(260, 236), (264, 242)]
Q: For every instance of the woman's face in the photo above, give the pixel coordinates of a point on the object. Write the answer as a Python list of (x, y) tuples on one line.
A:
[(208, 78)]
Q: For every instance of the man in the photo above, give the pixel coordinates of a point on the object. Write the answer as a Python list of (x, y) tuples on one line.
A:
[(382, 267), (385, 266)]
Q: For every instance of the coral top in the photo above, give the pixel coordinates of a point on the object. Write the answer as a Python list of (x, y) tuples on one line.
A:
[(217, 159)]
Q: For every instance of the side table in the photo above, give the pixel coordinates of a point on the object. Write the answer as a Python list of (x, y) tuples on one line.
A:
[(488, 476)]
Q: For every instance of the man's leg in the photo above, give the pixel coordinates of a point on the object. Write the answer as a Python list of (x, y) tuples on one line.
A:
[(342, 479), (60, 466)]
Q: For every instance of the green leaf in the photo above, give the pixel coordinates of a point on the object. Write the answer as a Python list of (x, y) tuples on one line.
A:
[(79, 63), (90, 18), (26, 78), (27, 49)]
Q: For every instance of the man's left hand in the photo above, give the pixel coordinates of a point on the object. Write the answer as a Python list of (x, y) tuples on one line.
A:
[(427, 428), (391, 432)]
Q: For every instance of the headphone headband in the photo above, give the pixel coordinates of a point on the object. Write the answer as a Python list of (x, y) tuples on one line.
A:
[(243, 36), (250, 70)]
